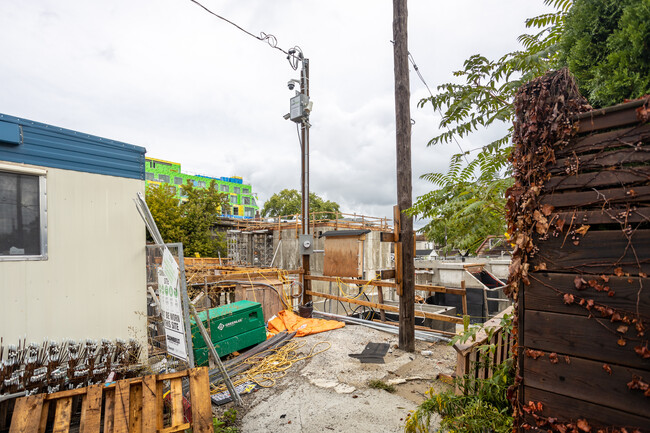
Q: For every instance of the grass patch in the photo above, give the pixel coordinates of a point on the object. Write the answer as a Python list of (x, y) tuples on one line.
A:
[(226, 422), (380, 384)]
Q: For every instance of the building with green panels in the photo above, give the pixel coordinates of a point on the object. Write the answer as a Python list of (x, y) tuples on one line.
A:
[(243, 203)]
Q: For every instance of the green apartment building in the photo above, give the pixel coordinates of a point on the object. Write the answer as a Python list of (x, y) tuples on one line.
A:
[(242, 201)]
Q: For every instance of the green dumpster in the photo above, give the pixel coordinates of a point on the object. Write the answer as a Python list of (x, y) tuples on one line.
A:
[(232, 327)]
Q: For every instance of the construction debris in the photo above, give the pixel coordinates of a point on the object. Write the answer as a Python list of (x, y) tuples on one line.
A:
[(51, 366)]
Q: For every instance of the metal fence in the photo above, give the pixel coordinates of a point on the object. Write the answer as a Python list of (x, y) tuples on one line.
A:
[(155, 328)]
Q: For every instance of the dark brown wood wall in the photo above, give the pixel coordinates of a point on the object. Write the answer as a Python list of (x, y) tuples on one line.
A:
[(580, 361)]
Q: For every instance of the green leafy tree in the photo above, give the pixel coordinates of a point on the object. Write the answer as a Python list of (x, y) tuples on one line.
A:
[(606, 46), (289, 201), (189, 221), (468, 202)]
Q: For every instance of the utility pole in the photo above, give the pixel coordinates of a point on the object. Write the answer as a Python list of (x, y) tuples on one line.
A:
[(404, 187), (304, 133), (300, 108)]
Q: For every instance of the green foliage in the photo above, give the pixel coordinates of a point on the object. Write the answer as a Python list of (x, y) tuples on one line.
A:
[(468, 203), (226, 423), (380, 384), (289, 202), (482, 404), (607, 48), (465, 208), (189, 221), (605, 44)]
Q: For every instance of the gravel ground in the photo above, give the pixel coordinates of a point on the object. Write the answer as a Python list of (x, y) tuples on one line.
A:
[(329, 392)]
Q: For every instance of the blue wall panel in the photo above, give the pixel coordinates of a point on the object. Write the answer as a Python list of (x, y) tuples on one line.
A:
[(51, 146)]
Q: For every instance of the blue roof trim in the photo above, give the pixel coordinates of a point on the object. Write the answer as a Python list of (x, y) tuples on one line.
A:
[(51, 146)]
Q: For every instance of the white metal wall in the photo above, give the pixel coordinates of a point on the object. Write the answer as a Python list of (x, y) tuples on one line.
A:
[(93, 283)]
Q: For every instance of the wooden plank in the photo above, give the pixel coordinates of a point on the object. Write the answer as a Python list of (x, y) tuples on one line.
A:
[(600, 119), (91, 412), (160, 406), (598, 179), (386, 274), (27, 414), (109, 410), (174, 375), (387, 237), (464, 297), (66, 393), (135, 408), (590, 338), (423, 287), (606, 216), (380, 298), (343, 256), (542, 293), (601, 160), (237, 275), (597, 198), (589, 256), (176, 396), (425, 314), (595, 142), (44, 415), (62, 415), (587, 380), (567, 409), (201, 402), (149, 405), (176, 428), (121, 415)]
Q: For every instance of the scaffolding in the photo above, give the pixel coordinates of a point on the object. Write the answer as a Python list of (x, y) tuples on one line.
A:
[(250, 248)]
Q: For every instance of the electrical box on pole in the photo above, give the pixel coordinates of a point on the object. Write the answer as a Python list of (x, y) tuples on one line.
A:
[(299, 108)]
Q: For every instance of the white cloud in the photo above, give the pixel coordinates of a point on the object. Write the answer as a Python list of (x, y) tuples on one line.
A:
[(166, 75)]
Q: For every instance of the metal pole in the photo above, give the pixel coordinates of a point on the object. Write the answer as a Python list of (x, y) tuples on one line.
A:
[(304, 89), (185, 301), (233, 392)]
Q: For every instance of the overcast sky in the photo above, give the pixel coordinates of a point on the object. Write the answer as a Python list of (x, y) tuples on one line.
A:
[(166, 75)]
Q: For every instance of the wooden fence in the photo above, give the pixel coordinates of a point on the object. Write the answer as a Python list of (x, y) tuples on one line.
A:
[(583, 319), (130, 405), (468, 354)]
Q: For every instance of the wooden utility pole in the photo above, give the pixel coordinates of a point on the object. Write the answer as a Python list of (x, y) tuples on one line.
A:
[(404, 187)]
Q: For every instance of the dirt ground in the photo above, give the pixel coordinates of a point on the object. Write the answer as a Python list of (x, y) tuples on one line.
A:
[(329, 392)]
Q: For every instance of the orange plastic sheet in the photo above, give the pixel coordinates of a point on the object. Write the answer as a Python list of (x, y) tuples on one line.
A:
[(289, 321)]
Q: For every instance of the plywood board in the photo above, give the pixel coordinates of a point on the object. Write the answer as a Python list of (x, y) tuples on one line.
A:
[(343, 257)]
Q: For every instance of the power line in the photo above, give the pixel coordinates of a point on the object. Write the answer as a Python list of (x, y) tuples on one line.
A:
[(264, 37), (417, 71)]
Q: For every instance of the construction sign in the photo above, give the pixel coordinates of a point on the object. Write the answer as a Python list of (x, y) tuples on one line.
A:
[(169, 295)]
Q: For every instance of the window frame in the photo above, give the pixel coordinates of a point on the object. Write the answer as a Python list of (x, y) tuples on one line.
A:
[(42, 203)]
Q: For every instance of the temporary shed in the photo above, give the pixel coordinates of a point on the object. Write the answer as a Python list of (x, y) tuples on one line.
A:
[(72, 245)]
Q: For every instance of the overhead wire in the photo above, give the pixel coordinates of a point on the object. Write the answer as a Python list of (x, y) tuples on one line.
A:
[(419, 74), (263, 36)]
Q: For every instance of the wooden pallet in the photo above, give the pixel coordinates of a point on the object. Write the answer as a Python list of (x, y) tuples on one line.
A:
[(130, 405)]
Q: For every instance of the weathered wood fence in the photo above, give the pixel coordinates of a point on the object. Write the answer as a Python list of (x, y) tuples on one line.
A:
[(583, 318), (469, 355)]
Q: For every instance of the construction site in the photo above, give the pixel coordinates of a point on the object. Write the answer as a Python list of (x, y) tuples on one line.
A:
[(113, 320)]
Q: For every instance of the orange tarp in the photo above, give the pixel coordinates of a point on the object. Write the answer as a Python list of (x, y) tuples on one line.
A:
[(289, 321)]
